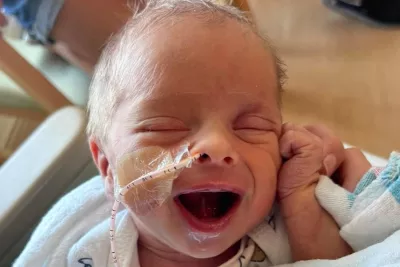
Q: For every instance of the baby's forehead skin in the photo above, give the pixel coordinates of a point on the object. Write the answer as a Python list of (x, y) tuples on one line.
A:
[(188, 52), (195, 67)]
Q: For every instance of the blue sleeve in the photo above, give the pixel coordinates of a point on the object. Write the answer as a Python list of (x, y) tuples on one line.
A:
[(10, 6), (24, 10)]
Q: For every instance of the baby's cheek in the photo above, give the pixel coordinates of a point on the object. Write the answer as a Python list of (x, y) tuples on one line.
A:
[(265, 185), (274, 153), (265, 190), (260, 207), (266, 153)]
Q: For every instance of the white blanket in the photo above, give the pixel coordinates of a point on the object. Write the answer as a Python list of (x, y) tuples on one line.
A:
[(75, 231)]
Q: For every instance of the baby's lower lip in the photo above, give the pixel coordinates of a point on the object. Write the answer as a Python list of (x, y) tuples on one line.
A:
[(204, 211)]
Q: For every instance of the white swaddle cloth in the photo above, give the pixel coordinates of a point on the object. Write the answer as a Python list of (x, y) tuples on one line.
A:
[(372, 212)]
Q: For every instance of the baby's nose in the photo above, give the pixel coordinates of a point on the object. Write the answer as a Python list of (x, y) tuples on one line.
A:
[(216, 150)]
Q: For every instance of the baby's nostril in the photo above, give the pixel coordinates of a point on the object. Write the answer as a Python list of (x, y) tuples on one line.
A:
[(228, 160), (204, 157)]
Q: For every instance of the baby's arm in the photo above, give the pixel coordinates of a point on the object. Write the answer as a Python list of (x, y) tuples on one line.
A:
[(312, 232)]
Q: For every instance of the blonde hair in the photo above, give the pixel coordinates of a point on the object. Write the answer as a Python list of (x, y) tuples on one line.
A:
[(125, 62)]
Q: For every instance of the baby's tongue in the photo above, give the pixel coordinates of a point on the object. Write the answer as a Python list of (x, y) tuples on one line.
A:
[(203, 205)]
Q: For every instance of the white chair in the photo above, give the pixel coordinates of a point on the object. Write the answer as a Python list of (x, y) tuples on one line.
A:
[(52, 161), (33, 84)]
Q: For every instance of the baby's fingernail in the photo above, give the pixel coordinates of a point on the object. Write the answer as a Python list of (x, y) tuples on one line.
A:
[(330, 164)]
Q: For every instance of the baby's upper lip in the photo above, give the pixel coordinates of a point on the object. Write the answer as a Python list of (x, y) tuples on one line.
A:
[(210, 187)]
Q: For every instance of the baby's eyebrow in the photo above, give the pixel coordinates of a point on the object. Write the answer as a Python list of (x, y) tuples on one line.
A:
[(170, 102), (258, 107)]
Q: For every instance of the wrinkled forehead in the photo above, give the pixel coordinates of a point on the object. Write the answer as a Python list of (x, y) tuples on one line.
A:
[(186, 55)]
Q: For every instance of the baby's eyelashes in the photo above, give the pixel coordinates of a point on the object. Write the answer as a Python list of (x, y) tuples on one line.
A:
[(160, 124), (254, 122), (254, 129)]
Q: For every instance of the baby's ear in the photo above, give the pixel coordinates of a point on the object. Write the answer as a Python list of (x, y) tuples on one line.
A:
[(103, 166), (99, 158), (109, 185)]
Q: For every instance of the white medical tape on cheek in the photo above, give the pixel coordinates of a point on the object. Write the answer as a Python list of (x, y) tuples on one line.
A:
[(146, 195)]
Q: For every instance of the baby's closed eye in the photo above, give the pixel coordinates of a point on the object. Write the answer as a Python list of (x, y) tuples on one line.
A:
[(160, 130), (254, 122), (254, 128), (160, 124)]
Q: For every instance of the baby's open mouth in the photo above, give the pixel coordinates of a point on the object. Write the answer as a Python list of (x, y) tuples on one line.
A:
[(208, 210)]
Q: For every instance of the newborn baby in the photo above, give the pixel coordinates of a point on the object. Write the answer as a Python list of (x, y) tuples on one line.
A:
[(197, 73)]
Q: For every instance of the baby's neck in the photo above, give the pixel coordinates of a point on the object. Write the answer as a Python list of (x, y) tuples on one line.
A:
[(152, 256)]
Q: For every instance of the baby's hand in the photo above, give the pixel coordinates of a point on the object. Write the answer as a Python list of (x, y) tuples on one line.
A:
[(308, 153), (303, 157)]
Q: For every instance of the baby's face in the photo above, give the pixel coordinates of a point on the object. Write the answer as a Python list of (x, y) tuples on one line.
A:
[(218, 92)]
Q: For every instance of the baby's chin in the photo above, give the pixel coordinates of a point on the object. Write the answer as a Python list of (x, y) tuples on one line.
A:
[(180, 237), (201, 246)]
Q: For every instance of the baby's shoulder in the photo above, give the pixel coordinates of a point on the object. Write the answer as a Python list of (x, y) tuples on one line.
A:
[(75, 214), (80, 200)]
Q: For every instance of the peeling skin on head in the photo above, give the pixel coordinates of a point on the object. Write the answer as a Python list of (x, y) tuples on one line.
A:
[(151, 194)]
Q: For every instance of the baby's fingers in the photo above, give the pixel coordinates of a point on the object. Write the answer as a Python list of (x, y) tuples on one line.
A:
[(333, 150), (354, 166), (303, 153), (296, 140)]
